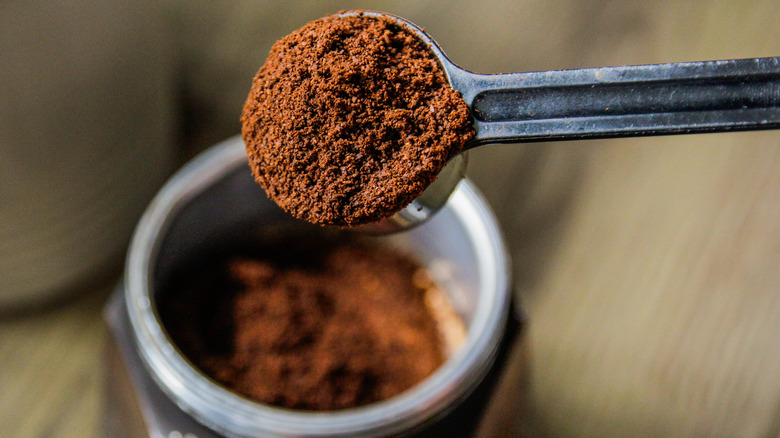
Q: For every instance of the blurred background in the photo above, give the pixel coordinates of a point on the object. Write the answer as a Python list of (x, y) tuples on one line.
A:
[(648, 267)]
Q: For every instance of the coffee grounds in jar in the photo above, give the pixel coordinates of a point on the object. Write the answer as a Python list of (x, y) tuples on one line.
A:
[(350, 119), (307, 324)]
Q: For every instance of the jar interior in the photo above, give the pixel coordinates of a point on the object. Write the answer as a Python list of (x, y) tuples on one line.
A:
[(235, 207)]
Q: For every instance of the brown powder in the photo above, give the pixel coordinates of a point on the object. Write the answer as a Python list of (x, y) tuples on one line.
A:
[(307, 323), (350, 119)]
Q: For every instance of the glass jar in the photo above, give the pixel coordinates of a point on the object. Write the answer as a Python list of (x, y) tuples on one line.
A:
[(214, 197)]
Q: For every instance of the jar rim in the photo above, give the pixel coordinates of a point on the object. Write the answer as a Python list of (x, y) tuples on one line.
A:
[(235, 416)]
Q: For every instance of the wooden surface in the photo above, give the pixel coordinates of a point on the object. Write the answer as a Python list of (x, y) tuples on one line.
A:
[(658, 311), (650, 268), (51, 370)]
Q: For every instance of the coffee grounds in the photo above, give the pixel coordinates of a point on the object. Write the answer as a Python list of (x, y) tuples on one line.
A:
[(350, 119), (307, 324)]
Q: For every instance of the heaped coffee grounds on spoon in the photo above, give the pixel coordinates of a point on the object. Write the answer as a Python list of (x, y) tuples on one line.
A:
[(350, 119), (309, 323)]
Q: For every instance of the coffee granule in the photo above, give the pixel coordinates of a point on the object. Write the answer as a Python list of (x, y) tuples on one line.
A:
[(312, 325), (350, 119)]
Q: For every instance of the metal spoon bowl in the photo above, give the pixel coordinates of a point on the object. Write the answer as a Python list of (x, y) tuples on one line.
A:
[(626, 101)]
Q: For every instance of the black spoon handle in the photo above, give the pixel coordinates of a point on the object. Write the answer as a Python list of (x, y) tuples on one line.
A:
[(678, 98)]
